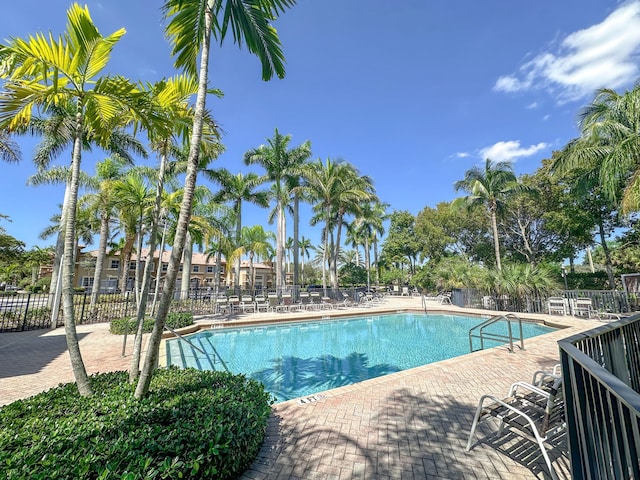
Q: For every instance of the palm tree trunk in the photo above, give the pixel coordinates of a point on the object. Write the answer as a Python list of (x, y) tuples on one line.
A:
[(137, 280), (73, 346), (496, 240), (375, 258), (56, 274), (296, 240), (186, 268), (238, 241), (102, 250), (280, 246), (125, 256), (134, 370), (185, 213), (607, 255)]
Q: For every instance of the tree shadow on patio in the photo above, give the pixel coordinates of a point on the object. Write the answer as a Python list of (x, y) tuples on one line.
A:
[(405, 433)]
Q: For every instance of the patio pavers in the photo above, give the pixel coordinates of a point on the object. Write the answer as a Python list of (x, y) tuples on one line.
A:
[(408, 425)]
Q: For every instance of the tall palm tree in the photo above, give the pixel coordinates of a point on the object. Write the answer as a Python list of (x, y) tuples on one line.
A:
[(103, 202), (489, 186), (280, 163), (305, 251), (43, 71), (337, 189), (237, 189), (56, 131), (191, 24)]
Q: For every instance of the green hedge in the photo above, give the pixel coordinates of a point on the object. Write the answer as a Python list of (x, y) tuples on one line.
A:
[(175, 320), (193, 424)]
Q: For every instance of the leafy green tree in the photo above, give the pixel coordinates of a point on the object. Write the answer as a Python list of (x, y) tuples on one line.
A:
[(401, 247), (489, 186)]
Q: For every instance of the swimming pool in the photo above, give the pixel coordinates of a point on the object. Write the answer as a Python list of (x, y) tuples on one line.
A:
[(299, 359)]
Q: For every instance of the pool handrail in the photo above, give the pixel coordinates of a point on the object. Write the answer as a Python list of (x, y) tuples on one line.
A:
[(212, 362), (495, 336)]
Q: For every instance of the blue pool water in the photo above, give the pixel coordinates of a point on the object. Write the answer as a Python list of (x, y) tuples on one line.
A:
[(299, 359)]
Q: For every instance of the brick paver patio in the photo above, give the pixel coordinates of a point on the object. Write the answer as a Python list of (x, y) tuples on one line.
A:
[(407, 425)]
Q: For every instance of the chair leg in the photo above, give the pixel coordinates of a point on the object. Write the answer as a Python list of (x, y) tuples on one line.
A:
[(476, 418)]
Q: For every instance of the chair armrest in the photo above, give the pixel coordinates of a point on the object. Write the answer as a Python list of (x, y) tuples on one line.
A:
[(527, 386)]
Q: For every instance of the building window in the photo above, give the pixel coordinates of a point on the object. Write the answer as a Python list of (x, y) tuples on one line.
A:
[(165, 266), (132, 265), (86, 282), (209, 268), (115, 264), (196, 268), (180, 269)]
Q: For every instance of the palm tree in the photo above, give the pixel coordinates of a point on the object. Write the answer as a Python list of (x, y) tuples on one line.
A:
[(237, 189), (104, 202), (43, 71), (280, 163), (255, 243), (191, 23), (489, 187), (603, 161), (133, 198), (337, 189), (305, 251), (9, 150), (56, 132)]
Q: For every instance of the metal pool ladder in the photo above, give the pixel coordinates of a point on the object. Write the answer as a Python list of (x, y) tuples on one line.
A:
[(478, 332), (211, 361)]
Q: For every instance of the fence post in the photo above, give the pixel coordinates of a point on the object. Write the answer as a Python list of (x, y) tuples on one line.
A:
[(84, 302), (26, 312)]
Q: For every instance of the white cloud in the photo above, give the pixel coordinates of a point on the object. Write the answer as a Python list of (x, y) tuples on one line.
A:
[(603, 55), (462, 155), (510, 151)]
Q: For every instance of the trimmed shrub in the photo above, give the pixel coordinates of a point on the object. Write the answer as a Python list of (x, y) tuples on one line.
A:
[(193, 424), (174, 320)]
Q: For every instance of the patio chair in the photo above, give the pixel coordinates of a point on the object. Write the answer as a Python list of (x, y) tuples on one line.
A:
[(306, 302), (234, 303), (273, 300), (557, 305), (222, 304), (262, 304), (247, 305), (287, 304), (535, 412), (582, 307)]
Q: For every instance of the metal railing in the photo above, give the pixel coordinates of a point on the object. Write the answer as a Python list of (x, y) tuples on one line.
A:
[(483, 335), (601, 368)]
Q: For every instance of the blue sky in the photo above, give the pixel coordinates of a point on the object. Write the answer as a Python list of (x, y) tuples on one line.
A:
[(411, 92)]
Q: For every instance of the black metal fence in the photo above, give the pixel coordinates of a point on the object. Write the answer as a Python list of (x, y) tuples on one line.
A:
[(601, 368), (29, 311), (614, 301)]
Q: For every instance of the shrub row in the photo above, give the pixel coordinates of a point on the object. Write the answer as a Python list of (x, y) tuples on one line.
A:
[(193, 424), (175, 320)]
